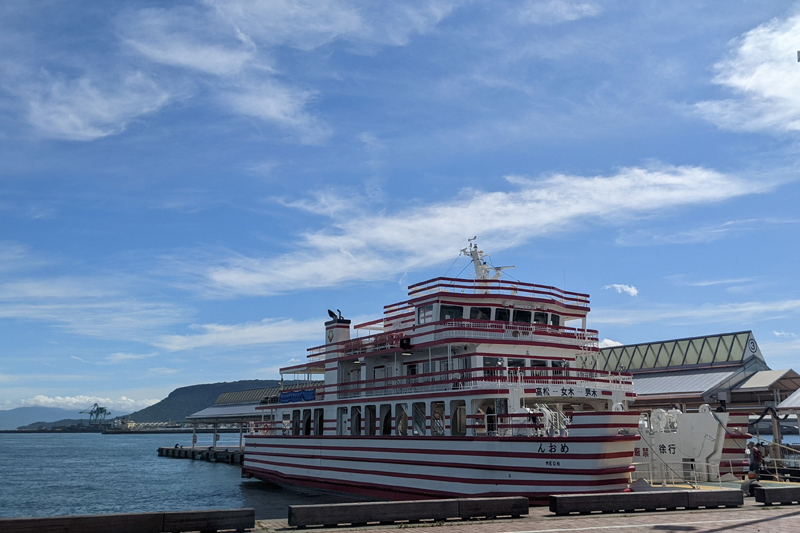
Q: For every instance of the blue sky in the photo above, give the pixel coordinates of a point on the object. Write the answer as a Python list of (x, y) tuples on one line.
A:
[(187, 187)]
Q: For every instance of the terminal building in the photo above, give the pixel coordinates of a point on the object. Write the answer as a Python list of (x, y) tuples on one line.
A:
[(726, 371)]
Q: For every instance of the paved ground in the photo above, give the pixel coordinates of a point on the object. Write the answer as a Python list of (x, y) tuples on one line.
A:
[(751, 517)]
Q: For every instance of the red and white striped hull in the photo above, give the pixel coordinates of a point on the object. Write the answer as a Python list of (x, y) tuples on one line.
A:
[(394, 467)]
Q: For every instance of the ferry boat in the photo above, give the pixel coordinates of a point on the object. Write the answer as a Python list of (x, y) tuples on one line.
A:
[(471, 387)]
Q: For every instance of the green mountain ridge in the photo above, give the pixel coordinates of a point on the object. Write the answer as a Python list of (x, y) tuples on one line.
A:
[(185, 401)]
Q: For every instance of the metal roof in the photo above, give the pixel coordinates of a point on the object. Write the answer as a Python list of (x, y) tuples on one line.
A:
[(765, 380), (707, 351), (791, 403), (680, 383), (227, 412), (245, 396)]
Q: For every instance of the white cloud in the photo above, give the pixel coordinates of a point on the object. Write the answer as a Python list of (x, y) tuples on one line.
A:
[(703, 234), (762, 72), (713, 282), (97, 306), (308, 24), (268, 331), (162, 371), (627, 289), (554, 11), (608, 343), (384, 245), (784, 334), (121, 357), (279, 104), (83, 110), (186, 37), (729, 313), (80, 403)]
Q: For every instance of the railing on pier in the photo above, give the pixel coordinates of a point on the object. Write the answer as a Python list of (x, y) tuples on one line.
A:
[(677, 472)]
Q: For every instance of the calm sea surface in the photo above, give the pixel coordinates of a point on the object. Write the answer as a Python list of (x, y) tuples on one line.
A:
[(60, 474)]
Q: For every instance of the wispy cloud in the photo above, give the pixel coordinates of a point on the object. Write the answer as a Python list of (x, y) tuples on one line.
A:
[(784, 334), (274, 102), (761, 71), (681, 281), (627, 289), (703, 234), (555, 11), (186, 36), (268, 331), (384, 245), (730, 313), (97, 306), (84, 109), (121, 357), (162, 371)]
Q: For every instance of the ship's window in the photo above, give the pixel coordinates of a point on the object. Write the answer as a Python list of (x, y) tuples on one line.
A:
[(296, 422), (480, 313), (401, 419), (411, 370), (458, 418), (555, 320), (341, 420), (371, 419), (540, 367), (306, 421), (419, 421), (502, 315), (451, 312), (491, 363), (319, 421), (559, 365), (425, 314), (539, 318), (386, 419), (522, 316), (355, 420), (437, 418), (517, 366)]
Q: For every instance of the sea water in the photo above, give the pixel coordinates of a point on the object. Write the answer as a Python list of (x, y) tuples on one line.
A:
[(51, 474)]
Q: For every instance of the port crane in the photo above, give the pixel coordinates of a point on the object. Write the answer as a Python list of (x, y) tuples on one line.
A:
[(97, 415)]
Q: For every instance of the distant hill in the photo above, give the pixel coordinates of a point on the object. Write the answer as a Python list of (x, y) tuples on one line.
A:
[(23, 416), (185, 401)]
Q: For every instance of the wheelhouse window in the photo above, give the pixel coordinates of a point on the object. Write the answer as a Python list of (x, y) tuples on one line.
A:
[(539, 318), (480, 313), (425, 314), (451, 312), (502, 315), (522, 316), (555, 320)]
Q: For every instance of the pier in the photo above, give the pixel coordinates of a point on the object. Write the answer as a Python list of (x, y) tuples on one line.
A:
[(233, 456)]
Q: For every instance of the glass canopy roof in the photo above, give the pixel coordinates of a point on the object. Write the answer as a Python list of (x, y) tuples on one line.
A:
[(712, 350)]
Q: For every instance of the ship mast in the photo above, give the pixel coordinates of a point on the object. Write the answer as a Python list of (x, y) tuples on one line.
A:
[(482, 269)]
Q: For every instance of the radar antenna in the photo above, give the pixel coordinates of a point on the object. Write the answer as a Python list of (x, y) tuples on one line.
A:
[(482, 268)]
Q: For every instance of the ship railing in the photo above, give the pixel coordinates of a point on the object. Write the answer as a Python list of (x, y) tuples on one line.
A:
[(677, 472), (499, 330), (462, 328), (573, 382), (500, 287)]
